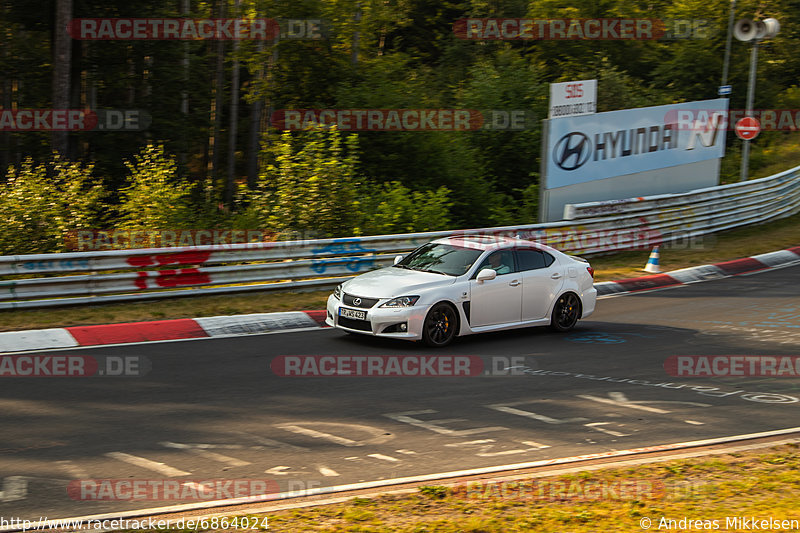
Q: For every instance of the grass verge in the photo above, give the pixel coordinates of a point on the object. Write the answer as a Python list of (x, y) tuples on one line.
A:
[(710, 249), (719, 489)]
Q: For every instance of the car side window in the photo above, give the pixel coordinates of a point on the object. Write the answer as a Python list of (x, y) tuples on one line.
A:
[(501, 261), (530, 259)]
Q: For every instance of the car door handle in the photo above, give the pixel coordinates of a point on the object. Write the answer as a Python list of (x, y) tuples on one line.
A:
[(514, 283), (556, 276)]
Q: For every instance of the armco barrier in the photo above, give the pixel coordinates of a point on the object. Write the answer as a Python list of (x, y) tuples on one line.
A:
[(594, 227)]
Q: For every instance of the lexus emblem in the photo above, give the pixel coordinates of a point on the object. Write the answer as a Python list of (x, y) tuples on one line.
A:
[(356, 301), (572, 151)]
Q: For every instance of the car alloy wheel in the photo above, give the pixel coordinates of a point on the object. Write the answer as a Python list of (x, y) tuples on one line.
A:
[(440, 325), (566, 312)]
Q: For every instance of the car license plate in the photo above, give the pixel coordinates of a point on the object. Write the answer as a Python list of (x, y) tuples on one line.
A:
[(352, 313)]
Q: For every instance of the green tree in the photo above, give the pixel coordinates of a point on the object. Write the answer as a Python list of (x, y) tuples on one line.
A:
[(397, 209), (311, 185), (156, 197), (41, 204)]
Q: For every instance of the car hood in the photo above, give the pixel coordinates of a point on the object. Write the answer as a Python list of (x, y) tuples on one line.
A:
[(392, 282)]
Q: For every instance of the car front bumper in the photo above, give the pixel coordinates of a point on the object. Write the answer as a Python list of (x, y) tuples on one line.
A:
[(379, 319)]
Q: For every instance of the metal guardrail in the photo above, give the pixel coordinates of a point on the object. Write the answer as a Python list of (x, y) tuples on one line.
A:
[(762, 186), (594, 227)]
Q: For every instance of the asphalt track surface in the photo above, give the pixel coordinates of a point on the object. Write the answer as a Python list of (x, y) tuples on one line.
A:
[(213, 408)]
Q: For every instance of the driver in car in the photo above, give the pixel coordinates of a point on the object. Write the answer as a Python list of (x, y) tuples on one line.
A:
[(495, 262)]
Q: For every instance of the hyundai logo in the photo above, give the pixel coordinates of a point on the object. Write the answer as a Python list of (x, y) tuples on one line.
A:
[(572, 151), (356, 301)]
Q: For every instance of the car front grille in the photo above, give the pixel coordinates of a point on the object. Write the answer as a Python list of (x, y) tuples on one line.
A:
[(352, 323), (365, 303)]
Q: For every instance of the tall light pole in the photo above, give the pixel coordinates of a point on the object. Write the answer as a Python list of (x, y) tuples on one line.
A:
[(748, 110), (723, 90), (754, 32)]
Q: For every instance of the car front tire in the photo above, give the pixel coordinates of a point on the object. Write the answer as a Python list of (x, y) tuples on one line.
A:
[(440, 326), (566, 312)]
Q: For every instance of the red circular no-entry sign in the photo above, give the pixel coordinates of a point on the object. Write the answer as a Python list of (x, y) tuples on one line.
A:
[(748, 128)]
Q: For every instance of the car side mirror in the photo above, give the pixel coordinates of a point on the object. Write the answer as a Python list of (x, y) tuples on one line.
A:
[(487, 274), (397, 259)]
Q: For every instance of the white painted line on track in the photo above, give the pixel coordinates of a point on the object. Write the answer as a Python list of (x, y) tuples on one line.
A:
[(471, 442), (533, 444), (72, 469), (596, 426), (278, 470), (273, 443), (382, 457), (487, 444), (141, 462), (623, 403), (318, 434), (202, 452), (436, 425), (15, 488), (327, 472), (535, 416), (619, 399)]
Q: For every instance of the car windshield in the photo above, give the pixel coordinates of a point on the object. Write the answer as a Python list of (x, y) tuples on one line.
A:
[(441, 259)]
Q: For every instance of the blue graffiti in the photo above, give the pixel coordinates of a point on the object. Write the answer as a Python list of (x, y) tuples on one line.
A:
[(342, 246), (766, 317), (594, 338), (352, 264), (62, 264)]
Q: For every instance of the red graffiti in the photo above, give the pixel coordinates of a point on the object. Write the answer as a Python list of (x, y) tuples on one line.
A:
[(180, 258), (141, 281), (184, 276), (173, 278)]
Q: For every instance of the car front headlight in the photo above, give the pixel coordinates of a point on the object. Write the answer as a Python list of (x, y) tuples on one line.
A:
[(402, 301), (337, 292)]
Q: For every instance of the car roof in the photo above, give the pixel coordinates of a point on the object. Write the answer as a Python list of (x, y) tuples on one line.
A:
[(489, 242)]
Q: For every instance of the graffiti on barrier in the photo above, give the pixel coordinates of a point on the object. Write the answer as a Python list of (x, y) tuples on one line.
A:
[(62, 264), (352, 264), (169, 279), (342, 246)]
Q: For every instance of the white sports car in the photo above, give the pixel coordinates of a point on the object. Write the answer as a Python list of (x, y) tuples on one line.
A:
[(463, 285)]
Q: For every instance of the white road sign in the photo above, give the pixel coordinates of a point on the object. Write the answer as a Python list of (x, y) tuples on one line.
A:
[(573, 98)]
